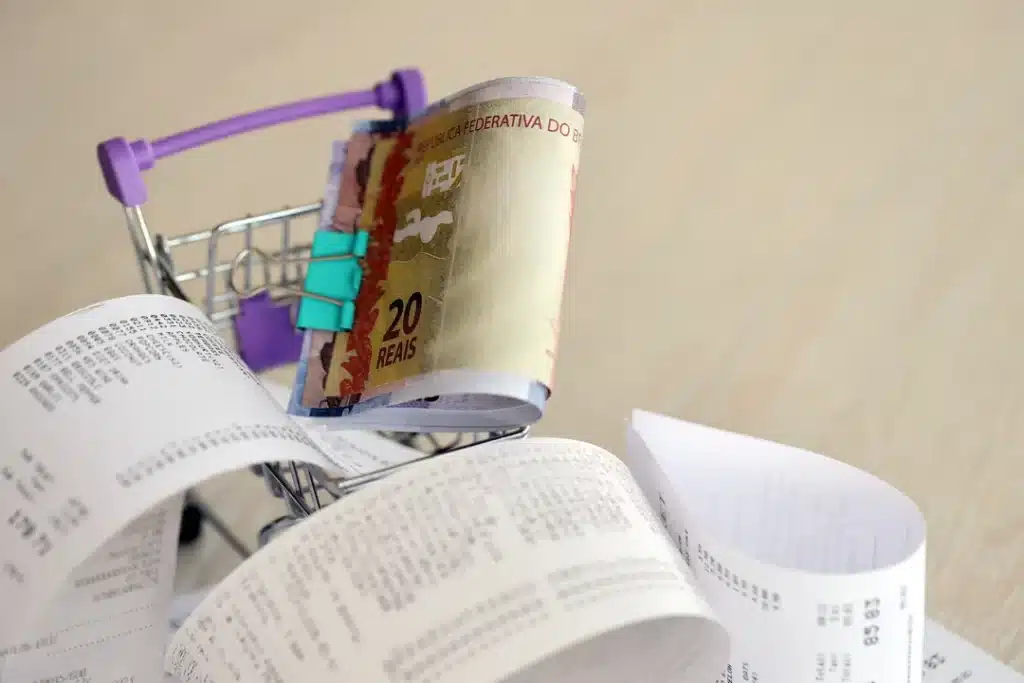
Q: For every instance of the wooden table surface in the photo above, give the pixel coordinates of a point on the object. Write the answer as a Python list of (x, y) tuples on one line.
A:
[(799, 220)]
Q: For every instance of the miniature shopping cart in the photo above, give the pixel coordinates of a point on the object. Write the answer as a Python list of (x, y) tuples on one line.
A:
[(200, 266)]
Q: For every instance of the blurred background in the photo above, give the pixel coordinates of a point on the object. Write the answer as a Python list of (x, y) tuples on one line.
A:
[(798, 220)]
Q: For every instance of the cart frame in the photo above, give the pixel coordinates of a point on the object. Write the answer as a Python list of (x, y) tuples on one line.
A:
[(305, 489)]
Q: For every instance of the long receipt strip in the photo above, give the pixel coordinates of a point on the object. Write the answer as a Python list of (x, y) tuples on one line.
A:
[(546, 548), (104, 414), (947, 657), (542, 559)]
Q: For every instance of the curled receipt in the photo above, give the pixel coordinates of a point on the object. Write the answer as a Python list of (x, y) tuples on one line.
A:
[(700, 556), (107, 415), (522, 561), (550, 560), (816, 568)]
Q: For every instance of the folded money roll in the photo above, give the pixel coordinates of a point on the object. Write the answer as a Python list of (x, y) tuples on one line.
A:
[(469, 209)]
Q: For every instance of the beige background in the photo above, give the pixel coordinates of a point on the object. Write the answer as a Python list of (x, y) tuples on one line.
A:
[(797, 219)]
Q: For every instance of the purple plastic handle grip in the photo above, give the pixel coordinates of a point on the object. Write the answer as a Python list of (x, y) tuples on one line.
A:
[(123, 162)]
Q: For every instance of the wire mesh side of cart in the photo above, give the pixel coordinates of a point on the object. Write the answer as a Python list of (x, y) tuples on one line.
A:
[(197, 267)]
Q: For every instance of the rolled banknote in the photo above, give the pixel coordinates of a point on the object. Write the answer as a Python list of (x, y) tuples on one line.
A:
[(343, 197), (469, 210)]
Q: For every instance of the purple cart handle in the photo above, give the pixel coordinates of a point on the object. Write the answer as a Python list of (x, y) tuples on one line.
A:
[(123, 162)]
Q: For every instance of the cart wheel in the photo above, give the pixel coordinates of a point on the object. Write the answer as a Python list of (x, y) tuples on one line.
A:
[(191, 524)]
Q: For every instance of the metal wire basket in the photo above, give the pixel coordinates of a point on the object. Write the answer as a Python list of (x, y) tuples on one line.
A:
[(193, 267)]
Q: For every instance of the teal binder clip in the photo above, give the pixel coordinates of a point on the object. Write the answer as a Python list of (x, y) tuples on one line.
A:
[(333, 276)]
